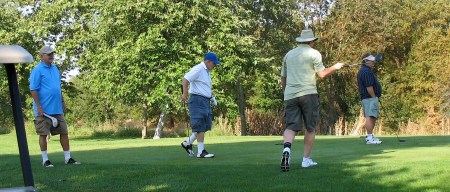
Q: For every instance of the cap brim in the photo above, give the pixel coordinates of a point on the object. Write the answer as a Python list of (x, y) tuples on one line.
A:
[(370, 58), (301, 40), (216, 62), (48, 53)]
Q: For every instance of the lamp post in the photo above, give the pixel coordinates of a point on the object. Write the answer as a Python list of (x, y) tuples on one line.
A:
[(10, 55)]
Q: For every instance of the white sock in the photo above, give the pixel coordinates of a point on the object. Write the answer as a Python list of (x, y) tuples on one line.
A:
[(200, 147), (191, 139), (66, 155), (305, 158), (369, 136), (44, 156)]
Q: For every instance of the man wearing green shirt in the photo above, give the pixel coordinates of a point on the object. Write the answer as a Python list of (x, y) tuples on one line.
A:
[(301, 99)]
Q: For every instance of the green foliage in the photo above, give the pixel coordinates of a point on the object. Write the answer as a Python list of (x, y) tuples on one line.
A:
[(406, 33), (133, 54)]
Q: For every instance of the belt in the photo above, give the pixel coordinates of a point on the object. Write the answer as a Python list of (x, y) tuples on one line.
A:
[(201, 96)]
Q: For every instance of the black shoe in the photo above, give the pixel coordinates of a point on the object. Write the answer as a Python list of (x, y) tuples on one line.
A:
[(205, 154), (285, 162), (188, 149), (71, 161), (47, 164)]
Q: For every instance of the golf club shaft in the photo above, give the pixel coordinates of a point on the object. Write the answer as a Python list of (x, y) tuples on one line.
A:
[(350, 65), (185, 116), (396, 132)]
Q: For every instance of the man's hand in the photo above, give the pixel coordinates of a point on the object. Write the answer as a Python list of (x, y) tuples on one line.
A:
[(184, 97), (213, 101), (338, 66)]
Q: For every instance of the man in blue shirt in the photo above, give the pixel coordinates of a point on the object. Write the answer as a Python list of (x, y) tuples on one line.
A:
[(370, 90), (48, 105), (199, 79)]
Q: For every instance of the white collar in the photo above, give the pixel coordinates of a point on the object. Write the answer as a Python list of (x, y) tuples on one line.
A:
[(204, 65)]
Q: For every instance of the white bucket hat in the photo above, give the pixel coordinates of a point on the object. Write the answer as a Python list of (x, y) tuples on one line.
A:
[(307, 35)]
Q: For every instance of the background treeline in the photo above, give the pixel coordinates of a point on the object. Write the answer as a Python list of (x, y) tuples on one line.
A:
[(132, 54)]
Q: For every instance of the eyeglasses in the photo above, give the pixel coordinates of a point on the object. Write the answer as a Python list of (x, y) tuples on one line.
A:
[(50, 54)]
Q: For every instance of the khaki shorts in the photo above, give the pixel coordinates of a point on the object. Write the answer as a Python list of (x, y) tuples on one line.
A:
[(43, 125), (370, 107)]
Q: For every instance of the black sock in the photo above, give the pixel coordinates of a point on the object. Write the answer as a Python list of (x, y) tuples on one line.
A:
[(287, 144)]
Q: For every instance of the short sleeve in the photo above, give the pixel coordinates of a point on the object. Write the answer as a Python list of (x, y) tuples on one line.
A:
[(317, 61), (35, 80), (192, 74), (283, 68)]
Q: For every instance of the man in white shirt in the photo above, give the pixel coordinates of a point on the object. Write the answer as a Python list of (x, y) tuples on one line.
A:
[(199, 79)]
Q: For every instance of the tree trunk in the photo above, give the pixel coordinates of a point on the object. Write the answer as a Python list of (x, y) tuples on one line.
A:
[(144, 121), (160, 125), (241, 103), (359, 123)]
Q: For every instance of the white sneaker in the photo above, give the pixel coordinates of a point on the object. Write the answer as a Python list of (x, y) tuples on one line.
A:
[(71, 161), (47, 164), (285, 161), (205, 154), (375, 141), (308, 163), (373, 138)]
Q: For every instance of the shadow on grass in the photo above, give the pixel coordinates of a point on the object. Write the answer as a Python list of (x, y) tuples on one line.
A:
[(345, 164)]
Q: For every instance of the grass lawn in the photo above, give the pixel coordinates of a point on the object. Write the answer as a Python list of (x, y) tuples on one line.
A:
[(250, 163)]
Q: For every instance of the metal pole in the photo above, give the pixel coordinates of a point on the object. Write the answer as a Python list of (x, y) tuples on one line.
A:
[(20, 127)]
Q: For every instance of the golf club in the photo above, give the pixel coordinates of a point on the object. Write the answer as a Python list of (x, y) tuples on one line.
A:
[(353, 65), (396, 132), (378, 58), (186, 120), (55, 122)]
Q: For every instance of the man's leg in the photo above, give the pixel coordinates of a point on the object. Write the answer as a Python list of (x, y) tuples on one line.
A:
[(200, 140), (308, 141), (311, 109), (201, 152), (43, 145), (187, 144), (43, 142), (369, 124), (289, 136), (64, 140)]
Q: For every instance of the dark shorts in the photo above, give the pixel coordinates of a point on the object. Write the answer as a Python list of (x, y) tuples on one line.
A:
[(200, 113), (43, 125), (301, 111)]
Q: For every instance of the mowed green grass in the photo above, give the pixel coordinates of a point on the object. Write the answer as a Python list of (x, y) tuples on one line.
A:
[(250, 163)]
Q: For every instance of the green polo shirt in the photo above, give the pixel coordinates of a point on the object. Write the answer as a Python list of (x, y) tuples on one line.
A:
[(300, 66)]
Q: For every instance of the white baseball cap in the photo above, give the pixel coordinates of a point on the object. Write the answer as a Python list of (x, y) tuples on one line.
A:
[(369, 58), (46, 50)]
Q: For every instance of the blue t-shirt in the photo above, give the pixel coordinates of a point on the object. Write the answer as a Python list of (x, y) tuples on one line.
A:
[(46, 80), (367, 78)]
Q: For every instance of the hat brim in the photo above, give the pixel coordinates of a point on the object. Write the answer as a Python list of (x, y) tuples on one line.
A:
[(48, 53), (370, 58), (302, 40), (217, 62)]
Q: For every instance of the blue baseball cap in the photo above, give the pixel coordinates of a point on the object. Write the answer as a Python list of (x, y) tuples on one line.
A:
[(212, 57)]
